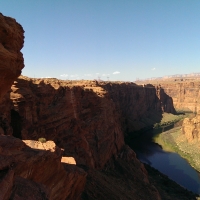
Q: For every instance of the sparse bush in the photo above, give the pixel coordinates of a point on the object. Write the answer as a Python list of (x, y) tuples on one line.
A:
[(42, 140)]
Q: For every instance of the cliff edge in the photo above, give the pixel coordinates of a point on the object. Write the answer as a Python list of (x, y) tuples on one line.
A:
[(11, 59)]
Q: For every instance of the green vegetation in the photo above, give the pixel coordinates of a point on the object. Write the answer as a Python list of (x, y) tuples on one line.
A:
[(42, 140), (169, 119), (167, 141), (174, 141)]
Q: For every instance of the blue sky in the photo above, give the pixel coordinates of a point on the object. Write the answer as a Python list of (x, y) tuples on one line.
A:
[(120, 39)]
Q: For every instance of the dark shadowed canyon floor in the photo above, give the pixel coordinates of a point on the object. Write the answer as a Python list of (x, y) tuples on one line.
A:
[(122, 183)]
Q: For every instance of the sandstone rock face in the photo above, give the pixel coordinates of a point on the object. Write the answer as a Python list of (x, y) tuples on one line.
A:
[(185, 95), (87, 119), (191, 129), (11, 59), (81, 119), (139, 106), (36, 172)]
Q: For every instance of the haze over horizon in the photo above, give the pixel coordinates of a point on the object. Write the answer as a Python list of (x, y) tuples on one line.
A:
[(115, 40)]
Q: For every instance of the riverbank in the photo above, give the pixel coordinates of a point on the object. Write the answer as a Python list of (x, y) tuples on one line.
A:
[(172, 165), (168, 134), (169, 119), (174, 141)]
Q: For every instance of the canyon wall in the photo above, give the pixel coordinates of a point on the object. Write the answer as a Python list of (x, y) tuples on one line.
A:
[(140, 107), (81, 119), (87, 119), (185, 94)]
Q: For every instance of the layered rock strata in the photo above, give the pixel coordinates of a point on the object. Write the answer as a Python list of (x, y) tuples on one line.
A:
[(185, 94)]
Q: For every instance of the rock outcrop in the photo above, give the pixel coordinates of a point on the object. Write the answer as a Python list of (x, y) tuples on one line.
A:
[(191, 128), (11, 59), (33, 170)]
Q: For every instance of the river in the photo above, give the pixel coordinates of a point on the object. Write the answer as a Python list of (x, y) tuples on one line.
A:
[(169, 163)]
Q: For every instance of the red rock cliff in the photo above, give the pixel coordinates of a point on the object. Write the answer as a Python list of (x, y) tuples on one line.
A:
[(139, 106), (87, 119), (185, 94), (11, 59), (82, 119)]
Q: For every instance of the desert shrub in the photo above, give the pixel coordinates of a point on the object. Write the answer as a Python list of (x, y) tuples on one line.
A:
[(43, 140)]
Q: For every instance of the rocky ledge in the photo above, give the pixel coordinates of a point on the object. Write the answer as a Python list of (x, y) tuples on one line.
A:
[(33, 170)]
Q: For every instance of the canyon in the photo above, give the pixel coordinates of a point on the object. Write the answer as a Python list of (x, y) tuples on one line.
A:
[(79, 115), (84, 123), (184, 139)]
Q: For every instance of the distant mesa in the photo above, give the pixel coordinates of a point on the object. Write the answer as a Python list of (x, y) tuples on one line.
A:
[(175, 77)]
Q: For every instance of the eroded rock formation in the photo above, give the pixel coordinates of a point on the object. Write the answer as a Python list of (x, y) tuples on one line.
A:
[(191, 128), (11, 59)]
